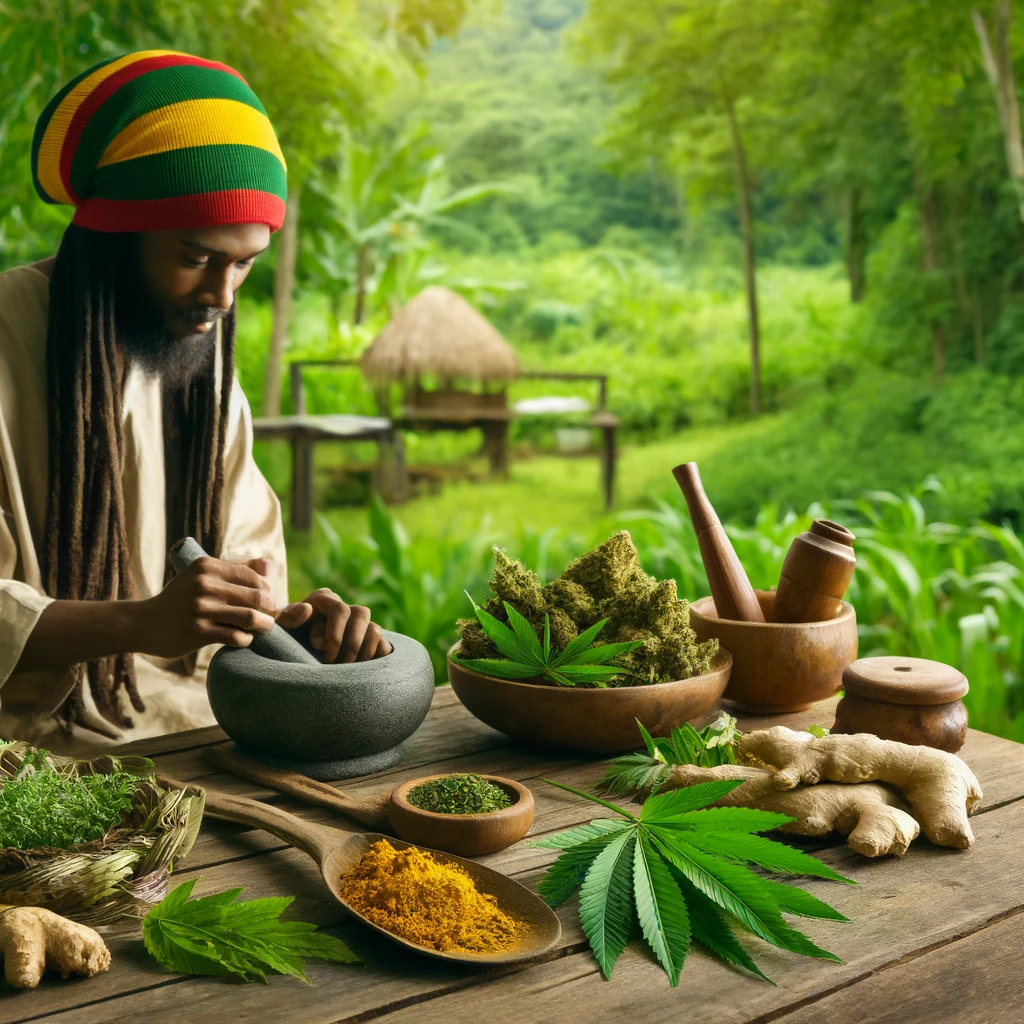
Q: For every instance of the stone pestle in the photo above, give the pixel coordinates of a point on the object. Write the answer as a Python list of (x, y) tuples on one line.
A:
[(276, 643)]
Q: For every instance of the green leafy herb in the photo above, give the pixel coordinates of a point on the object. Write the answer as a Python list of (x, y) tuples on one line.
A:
[(679, 871), (526, 658), (215, 935), (459, 794), (43, 805), (818, 731), (708, 748)]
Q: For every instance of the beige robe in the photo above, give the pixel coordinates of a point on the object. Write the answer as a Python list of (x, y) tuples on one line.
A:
[(252, 528)]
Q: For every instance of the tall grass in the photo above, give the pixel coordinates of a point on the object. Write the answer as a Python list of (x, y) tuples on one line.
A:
[(927, 589)]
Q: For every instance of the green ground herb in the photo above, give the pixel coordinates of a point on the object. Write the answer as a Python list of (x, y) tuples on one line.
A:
[(43, 806), (459, 794)]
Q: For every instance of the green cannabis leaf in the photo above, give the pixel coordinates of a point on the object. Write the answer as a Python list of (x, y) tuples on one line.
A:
[(526, 658), (679, 870), (707, 748), (215, 935)]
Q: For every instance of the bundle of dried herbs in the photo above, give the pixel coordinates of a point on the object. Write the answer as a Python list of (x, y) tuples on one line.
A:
[(52, 805), (604, 584), (459, 794), (89, 839)]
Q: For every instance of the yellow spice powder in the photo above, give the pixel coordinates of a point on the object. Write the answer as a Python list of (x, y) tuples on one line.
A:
[(428, 902)]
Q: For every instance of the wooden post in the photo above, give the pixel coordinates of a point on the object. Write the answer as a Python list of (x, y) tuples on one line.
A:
[(284, 285), (302, 480), (496, 446), (298, 391), (743, 189), (608, 463)]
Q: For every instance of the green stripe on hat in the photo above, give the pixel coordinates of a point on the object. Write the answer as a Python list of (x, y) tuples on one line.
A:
[(142, 95), (196, 169)]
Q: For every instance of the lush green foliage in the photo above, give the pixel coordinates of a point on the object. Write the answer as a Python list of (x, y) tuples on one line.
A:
[(48, 806), (676, 873), (923, 587), (215, 935), (645, 772)]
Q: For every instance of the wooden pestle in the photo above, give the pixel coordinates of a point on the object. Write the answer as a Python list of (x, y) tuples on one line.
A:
[(818, 568), (276, 643), (733, 594)]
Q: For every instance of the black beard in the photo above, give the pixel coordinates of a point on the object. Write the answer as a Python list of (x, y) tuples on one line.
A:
[(146, 332)]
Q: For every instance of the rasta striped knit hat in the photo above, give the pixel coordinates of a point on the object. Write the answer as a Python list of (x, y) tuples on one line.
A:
[(159, 141)]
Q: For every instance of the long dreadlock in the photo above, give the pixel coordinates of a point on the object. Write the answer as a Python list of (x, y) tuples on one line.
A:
[(85, 554)]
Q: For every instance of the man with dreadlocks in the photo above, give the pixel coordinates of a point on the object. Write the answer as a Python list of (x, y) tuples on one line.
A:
[(122, 426)]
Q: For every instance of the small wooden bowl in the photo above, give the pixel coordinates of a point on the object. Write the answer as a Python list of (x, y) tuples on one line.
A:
[(780, 666), (467, 835), (591, 721), (911, 700)]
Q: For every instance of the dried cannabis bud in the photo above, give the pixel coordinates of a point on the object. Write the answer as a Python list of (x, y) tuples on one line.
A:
[(607, 582)]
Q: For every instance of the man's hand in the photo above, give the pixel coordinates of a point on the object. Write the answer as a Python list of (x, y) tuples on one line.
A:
[(340, 632), (211, 602)]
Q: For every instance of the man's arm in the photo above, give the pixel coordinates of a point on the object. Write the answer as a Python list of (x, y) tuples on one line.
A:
[(68, 632), (211, 602)]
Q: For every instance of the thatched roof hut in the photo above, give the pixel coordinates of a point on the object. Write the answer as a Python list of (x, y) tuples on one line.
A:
[(439, 334)]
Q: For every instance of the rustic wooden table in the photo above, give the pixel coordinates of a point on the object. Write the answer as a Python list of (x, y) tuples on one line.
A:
[(936, 936)]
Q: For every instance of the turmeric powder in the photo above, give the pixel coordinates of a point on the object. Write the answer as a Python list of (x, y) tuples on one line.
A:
[(423, 900)]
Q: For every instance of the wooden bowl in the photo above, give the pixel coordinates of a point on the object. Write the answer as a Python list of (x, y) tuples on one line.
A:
[(590, 721), (468, 835), (780, 666)]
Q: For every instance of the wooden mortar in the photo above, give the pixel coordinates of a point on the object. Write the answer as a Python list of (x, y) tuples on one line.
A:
[(779, 666), (911, 700)]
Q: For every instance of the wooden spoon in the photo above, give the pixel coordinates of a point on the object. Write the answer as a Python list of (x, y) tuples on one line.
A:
[(337, 852), (372, 811)]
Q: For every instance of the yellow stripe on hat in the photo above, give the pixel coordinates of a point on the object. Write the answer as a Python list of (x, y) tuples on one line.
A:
[(48, 164), (188, 123)]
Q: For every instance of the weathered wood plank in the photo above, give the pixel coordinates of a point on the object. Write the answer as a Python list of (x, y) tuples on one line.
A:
[(192, 739), (975, 980), (899, 908), (998, 763)]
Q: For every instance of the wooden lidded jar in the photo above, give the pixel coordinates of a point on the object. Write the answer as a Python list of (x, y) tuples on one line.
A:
[(818, 568), (911, 700)]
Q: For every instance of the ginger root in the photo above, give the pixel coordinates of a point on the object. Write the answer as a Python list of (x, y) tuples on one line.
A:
[(876, 791), (33, 939), (872, 817), (939, 787)]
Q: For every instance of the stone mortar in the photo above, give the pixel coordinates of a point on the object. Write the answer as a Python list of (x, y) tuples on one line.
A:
[(327, 721)]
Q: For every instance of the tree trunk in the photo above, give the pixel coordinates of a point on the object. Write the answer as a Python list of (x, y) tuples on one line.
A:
[(967, 300), (930, 242), (362, 272), (284, 285), (998, 61), (749, 265), (856, 244)]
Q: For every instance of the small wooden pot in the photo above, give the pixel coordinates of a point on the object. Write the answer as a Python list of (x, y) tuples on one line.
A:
[(779, 666), (466, 835), (911, 700)]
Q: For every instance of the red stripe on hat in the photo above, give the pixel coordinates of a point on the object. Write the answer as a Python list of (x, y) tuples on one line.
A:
[(108, 87), (202, 210)]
